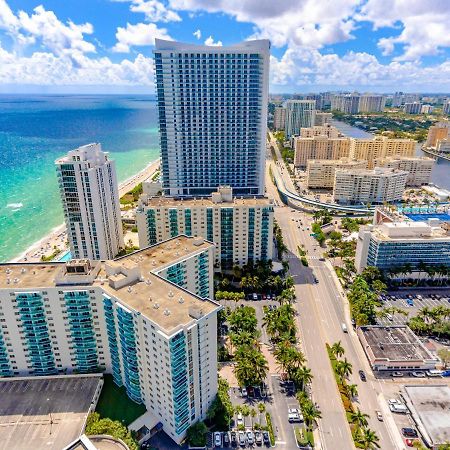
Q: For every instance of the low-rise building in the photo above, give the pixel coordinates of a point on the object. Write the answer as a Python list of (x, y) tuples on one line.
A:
[(363, 186), (419, 168), (394, 348), (241, 228), (319, 147), (392, 246), (320, 172), (146, 318)]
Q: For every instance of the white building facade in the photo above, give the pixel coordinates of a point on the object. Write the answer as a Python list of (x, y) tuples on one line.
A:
[(90, 197), (144, 318), (212, 104), (419, 168)]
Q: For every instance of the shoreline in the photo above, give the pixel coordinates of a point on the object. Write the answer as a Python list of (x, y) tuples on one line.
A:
[(58, 235)]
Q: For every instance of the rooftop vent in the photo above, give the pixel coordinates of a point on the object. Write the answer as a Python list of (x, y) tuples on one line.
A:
[(150, 299), (129, 289), (8, 271), (23, 270), (148, 282), (170, 294), (16, 280), (156, 305), (166, 312), (181, 300)]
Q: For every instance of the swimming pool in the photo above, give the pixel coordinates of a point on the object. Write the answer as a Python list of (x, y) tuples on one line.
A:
[(443, 217), (66, 257)]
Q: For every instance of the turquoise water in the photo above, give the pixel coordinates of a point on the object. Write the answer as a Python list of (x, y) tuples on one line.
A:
[(35, 130)]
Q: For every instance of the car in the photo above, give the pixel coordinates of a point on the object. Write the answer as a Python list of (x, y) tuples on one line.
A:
[(241, 438), (233, 439), (321, 259), (226, 439), (315, 279), (250, 438), (410, 302), (240, 419), (394, 401), (379, 416), (398, 408), (418, 374), (258, 438), (362, 375), (344, 327), (244, 392), (218, 439), (397, 374), (434, 373), (389, 317), (409, 432), (294, 415), (266, 437), (409, 442), (255, 296)]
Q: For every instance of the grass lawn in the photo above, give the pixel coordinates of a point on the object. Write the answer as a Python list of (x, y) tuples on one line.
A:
[(115, 404)]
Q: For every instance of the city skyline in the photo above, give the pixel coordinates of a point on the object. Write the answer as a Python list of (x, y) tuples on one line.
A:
[(74, 48)]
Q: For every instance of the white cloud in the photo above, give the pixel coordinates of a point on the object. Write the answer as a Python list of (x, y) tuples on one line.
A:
[(197, 34), (47, 69), (424, 25), (154, 11), (210, 41), (138, 35)]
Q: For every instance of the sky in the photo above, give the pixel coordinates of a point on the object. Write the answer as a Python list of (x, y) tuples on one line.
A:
[(105, 46)]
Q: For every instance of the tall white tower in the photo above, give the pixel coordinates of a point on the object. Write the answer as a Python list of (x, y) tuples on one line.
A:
[(90, 197), (212, 104)]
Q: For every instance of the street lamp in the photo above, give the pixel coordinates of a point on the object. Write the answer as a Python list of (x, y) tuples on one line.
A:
[(50, 414)]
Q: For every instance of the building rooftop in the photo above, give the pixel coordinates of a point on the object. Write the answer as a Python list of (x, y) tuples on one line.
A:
[(162, 201), (384, 171), (401, 230), (395, 343), (131, 279), (251, 45), (430, 408), (26, 405)]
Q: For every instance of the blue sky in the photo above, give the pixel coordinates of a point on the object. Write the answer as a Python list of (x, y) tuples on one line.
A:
[(106, 45)]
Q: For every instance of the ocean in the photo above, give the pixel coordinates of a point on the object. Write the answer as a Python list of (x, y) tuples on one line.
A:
[(36, 130)]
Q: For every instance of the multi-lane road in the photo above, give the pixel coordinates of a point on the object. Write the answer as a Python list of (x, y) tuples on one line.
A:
[(322, 310)]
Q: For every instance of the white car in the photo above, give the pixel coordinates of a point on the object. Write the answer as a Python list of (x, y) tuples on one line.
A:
[(244, 392), (294, 415), (218, 439), (241, 438), (240, 419), (418, 374)]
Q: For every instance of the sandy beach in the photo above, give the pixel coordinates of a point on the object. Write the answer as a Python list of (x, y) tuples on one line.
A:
[(56, 240)]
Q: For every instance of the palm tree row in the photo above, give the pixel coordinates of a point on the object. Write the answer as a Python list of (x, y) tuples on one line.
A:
[(435, 321)]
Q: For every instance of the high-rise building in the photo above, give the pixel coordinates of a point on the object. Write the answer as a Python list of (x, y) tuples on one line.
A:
[(446, 107), (299, 114), (320, 172), (436, 133), (397, 99), (413, 108), (426, 109), (380, 147), (346, 103), (212, 104), (322, 118), (321, 130), (89, 192), (145, 318), (371, 103), (363, 186), (279, 118), (241, 228), (419, 168), (443, 145), (394, 245), (319, 147)]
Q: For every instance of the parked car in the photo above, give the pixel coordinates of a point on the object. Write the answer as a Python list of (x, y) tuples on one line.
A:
[(226, 439), (266, 437), (397, 374), (398, 407), (250, 438), (244, 392), (240, 419), (409, 432), (218, 439), (258, 438), (241, 438), (344, 327), (379, 416), (294, 415), (434, 373), (418, 374), (362, 375), (233, 439), (410, 302)]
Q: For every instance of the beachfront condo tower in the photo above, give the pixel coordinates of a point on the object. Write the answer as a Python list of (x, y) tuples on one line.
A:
[(90, 196), (212, 104)]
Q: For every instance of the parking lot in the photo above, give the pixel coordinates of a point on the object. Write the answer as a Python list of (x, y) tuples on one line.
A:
[(412, 302)]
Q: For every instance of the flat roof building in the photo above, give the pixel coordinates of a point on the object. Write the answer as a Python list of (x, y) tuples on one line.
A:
[(394, 348), (437, 132), (391, 246), (144, 318), (279, 118), (299, 114), (325, 129)]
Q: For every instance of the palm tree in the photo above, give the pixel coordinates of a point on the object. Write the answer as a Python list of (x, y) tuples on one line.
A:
[(253, 414), (368, 439), (310, 414), (303, 376), (261, 409), (245, 410), (352, 390), (359, 418), (337, 349), (425, 313), (422, 267), (344, 368)]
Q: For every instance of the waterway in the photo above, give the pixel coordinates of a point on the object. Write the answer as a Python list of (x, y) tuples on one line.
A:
[(441, 171)]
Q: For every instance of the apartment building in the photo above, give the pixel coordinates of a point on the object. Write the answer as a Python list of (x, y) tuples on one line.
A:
[(346, 103), (319, 147), (380, 147), (443, 145), (419, 168), (363, 186), (240, 228), (436, 133), (446, 107), (326, 129), (322, 118), (145, 318), (279, 118), (299, 114), (396, 244), (427, 109), (412, 108), (212, 105), (371, 103), (90, 198), (320, 173)]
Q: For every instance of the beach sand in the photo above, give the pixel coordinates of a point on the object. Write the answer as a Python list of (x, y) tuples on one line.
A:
[(57, 238)]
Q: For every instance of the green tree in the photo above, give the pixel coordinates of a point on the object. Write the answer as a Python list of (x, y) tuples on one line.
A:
[(368, 439), (344, 368), (251, 366), (196, 434), (310, 414), (337, 350), (359, 418), (444, 354), (352, 390)]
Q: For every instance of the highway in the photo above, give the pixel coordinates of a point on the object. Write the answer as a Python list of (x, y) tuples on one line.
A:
[(322, 310)]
